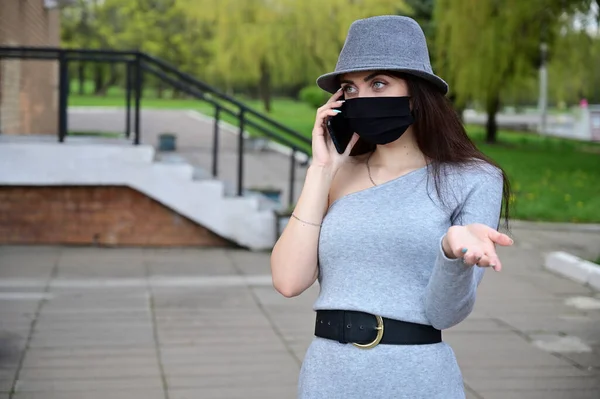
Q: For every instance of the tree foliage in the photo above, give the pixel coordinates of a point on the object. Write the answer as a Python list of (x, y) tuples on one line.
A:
[(251, 45), (486, 49), (286, 43)]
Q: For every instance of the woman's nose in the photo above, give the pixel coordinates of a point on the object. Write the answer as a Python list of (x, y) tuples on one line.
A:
[(363, 92)]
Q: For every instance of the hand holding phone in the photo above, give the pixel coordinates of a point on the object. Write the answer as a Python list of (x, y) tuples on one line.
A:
[(339, 131), (328, 128)]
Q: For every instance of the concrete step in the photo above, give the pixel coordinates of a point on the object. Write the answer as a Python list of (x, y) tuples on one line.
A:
[(247, 220)]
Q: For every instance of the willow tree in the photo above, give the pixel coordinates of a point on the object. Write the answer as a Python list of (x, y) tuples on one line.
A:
[(486, 48), (575, 67), (316, 31), (80, 28), (283, 43)]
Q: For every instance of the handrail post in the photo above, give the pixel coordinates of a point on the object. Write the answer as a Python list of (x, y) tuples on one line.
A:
[(240, 165), (128, 78), (292, 177), (63, 94), (215, 149), (138, 95), (0, 107)]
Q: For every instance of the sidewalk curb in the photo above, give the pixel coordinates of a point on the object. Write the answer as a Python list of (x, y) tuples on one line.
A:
[(574, 268)]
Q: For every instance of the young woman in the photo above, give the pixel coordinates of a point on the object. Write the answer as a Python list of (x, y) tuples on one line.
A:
[(398, 229)]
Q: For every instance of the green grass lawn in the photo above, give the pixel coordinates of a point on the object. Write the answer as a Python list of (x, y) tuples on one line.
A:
[(553, 179), (292, 114), (111, 135)]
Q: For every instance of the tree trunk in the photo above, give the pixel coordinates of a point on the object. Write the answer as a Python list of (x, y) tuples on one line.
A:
[(458, 109), (112, 80), (81, 77), (160, 89), (264, 86), (98, 79), (493, 105)]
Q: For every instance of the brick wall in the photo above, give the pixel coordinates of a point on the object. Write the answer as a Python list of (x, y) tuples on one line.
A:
[(28, 88), (94, 215)]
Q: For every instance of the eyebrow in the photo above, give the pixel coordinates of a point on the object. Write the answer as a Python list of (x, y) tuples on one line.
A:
[(369, 77)]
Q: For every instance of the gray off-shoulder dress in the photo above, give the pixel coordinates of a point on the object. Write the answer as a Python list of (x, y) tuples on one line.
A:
[(380, 252)]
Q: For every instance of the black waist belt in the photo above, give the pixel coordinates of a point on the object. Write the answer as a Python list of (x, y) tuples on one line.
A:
[(365, 330)]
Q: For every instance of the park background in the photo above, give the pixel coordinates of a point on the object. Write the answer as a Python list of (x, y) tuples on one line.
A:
[(269, 53), (149, 148)]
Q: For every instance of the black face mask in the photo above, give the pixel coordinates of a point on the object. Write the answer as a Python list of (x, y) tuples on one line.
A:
[(378, 120)]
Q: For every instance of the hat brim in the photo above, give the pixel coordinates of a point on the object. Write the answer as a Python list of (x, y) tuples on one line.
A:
[(329, 83)]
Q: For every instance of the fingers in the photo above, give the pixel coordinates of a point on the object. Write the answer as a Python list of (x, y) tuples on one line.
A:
[(335, 96), (481, 258), (480, 247), (500, 238), (322, 114), (490, 260), (495, 263), (334, 101), (472, 257), (327, 110)]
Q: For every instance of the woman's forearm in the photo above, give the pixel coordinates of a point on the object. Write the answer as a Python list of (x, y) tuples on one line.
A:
[(294, 256)]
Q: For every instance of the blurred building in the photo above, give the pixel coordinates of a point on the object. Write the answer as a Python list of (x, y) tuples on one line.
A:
[(29, 88)]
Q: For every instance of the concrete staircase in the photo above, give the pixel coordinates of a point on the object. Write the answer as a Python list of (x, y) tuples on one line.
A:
[(194, 133), (29, 160), (229, 190)]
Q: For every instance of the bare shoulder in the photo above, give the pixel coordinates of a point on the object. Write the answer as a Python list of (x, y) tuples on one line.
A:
[(346, 178)]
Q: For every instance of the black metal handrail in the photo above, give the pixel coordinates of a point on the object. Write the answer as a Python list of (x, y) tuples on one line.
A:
[(137, 63)]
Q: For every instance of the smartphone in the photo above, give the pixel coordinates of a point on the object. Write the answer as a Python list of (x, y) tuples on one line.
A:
[(340, 133)]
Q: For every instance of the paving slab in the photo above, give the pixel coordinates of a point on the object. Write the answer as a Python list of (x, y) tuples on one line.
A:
[(115, 362), (254, 392), (91, 384), (542, 394), (582, 243), (6, 384), (535, 383), (287, 376), (112, 394), (212, 262), (7, 373), (211, 367), (89, 371), (517, 371), (585, 360), (248, 263), (186, 316)]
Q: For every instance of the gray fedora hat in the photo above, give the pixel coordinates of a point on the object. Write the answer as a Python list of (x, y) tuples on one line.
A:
[(386, 42)]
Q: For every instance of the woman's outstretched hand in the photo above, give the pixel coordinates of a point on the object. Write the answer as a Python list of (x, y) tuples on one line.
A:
[(476, 244)]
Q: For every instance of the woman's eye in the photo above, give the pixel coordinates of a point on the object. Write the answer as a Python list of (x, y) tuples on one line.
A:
[(378, 85), (347, 89)]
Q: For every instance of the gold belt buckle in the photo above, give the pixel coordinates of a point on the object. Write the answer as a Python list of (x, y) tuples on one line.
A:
[(377, 339)]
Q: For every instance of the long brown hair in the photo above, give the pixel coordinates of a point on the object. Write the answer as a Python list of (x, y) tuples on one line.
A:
[(441, 136)]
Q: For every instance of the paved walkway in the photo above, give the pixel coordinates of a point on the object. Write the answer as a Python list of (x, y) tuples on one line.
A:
[(90, 323), (194, 143)]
